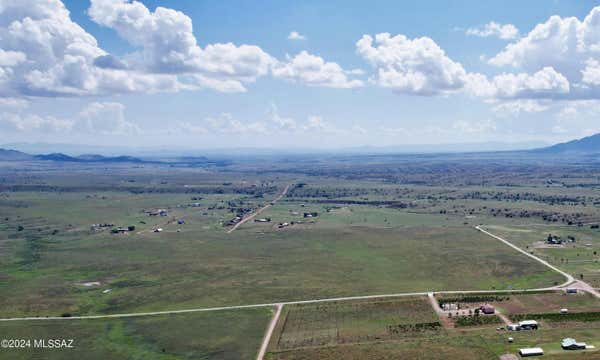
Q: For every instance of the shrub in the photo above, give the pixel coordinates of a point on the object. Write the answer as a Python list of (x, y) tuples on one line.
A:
[(581, 316), (476, 320)]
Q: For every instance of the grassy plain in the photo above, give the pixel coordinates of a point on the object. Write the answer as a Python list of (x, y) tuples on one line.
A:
[(580, 258), (353, 250), (384, 225), (220, 335)]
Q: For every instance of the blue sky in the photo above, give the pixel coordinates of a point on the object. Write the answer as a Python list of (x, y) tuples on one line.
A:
[(205, 74)]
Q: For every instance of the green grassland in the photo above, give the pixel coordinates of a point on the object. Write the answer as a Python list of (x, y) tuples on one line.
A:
[(580, 258), (222, 335), (373, 235), (371, 250)]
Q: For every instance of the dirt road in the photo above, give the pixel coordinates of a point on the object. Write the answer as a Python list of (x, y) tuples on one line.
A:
[(569, 277), (269, 333), (254, 214)]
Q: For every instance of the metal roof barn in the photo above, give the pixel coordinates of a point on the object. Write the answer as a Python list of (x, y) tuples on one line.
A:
[(531, 351)]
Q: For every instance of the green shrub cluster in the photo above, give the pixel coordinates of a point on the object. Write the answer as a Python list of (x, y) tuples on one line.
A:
[(581, 316), (476, 320)]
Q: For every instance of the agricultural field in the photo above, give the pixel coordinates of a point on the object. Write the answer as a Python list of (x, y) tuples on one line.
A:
[(357, 330), (471, 345), (226, 335), (550, 302), (354, 322)]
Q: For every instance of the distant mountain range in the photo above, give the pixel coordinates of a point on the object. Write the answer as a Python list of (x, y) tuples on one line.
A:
[(583, 146), (14, 155), (181, 151), (586, 146)]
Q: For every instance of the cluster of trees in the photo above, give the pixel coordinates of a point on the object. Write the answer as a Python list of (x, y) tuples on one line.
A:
[(527, 196), (472, 299), (476, 320), (412, 328), (581, 316), (345, 192)]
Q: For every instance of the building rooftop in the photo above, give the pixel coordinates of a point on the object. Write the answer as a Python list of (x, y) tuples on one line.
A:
[(531, 351), (527, 322), (568, 342)]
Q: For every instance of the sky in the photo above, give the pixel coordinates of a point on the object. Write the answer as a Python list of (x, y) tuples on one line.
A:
[(298, 74)]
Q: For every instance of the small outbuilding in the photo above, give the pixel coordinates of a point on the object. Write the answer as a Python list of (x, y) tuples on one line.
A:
[(536, 351), (528, 325), (571, 344), (513, 327), (487, 309), (449, 306)]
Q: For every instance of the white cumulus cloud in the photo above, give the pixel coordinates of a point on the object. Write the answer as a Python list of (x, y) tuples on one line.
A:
[(568, 45), (502, 31), (313, 70), (105, 118), (294, 35), (33, 123), (418, 66), (167, 43)]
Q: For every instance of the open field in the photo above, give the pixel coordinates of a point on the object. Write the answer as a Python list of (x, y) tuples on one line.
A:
[(57, 265), (372, 230), (222, 335), (580, 258)]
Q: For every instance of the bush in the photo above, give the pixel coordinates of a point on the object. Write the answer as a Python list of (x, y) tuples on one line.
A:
[(412, 328), (476, 320), (473, 299), (582, 316)]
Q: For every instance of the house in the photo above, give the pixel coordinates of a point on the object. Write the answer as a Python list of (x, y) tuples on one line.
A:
[(528, 325), (449, 306), (120, 230), (554, 240), (158, 212), (531, 352), (571, 344), (487, 309)]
